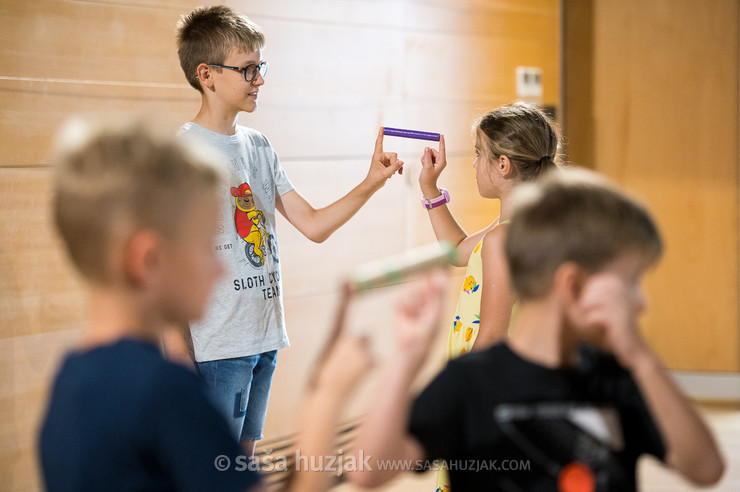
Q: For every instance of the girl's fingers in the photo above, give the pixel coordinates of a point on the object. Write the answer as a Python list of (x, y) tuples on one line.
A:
[(426, 158), (435, 154)]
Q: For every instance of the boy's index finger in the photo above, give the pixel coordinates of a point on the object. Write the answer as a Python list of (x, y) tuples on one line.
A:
[(379, 142), (442, 144)]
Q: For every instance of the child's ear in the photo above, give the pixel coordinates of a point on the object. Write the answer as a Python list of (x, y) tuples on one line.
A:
[(569, 281), (203, 71), (505, 167), (142, 257)]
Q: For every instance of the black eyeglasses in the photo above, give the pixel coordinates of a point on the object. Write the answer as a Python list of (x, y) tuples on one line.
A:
[(249, 72)]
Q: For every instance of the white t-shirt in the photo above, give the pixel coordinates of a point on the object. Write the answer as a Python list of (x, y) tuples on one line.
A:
[(245, 313)]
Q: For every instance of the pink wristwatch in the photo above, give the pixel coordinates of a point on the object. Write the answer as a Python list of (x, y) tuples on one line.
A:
[(436, 202)]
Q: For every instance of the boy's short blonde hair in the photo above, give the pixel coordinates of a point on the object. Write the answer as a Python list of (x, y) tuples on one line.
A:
[(113, 178), (573, 216), (209, 34)]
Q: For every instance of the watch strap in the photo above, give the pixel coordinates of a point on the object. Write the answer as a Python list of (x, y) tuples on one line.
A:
[(443, 198)]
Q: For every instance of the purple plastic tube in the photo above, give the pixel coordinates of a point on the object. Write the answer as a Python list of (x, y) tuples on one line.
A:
[(400, 132)]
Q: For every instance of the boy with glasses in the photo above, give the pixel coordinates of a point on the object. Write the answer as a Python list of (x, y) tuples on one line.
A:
[(236, 342)]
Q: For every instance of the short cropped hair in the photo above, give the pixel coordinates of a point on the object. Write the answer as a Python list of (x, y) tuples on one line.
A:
[(573, 216), (209, 34), (113, 178)]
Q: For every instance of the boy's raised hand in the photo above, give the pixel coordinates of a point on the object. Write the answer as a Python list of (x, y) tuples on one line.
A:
[(417, 315), (433, 163), (383, 164), (612, 308), (347, 363), (345, 358)]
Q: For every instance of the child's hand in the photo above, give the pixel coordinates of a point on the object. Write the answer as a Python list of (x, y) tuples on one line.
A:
[(345, 358), (348, 362), (611, 309), (383, 164), (433, 163), (417, 317)]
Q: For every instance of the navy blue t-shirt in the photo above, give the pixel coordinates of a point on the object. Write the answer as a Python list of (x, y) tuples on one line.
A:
[(121, 417)]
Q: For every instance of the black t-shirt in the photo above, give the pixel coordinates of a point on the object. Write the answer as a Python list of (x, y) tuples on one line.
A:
[(504, 423), (122, 418)]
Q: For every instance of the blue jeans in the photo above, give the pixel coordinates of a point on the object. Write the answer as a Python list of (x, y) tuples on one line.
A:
[(240, 389)]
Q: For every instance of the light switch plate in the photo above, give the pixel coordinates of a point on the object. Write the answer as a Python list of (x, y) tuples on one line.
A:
[(529, 84)]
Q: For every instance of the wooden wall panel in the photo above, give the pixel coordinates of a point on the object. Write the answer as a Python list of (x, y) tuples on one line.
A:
[(301, 91), (41, 308), (665, 116), (338, 70), (27, 141), (96, 41), (379, 229), (406, 63), (38, 292), (66, 57)]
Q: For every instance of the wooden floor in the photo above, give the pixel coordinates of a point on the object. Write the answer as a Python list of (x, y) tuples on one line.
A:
[(725, 422)]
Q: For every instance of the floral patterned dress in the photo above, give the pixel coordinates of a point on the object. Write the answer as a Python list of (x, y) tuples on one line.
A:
[(465, 325)]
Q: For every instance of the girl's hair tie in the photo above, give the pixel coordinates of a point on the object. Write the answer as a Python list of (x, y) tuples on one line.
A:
[(543, 159)]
